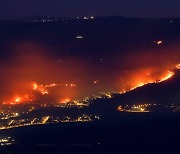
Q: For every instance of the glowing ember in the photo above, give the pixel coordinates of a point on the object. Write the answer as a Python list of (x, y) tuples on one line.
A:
[(65, 100), (178, 66), (40, 88), (18, 99), (56, 85), (35, 86)]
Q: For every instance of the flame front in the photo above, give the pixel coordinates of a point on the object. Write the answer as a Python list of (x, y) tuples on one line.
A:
[(34, 76), (144, 81), (43, 89)]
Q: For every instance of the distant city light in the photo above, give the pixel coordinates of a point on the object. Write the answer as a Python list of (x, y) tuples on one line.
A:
[(159, 42), (79, 37), (87, 18)]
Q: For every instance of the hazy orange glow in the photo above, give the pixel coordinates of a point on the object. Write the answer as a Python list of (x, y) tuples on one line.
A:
[(18, 99), (144, 78), (139, 83), (65, 100), (96, 81), (34, 75), (178, 66), (40, 88)]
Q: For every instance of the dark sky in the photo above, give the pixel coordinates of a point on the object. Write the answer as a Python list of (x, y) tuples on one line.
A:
[(13, 9)]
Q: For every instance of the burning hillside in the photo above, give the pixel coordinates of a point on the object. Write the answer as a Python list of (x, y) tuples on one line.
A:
[(32, 74)]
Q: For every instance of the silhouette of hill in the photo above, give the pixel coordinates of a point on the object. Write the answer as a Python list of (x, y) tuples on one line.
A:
[(164, 93)]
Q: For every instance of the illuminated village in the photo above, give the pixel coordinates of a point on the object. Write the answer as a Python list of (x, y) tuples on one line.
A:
[(143, 108), (6, 141)]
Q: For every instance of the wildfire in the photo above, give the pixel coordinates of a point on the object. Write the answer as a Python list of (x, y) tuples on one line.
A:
[(43, 88), (138, 81), (167, 76), (178, 66), (40, 88), (18, 99), (56, 85), (65, 100)]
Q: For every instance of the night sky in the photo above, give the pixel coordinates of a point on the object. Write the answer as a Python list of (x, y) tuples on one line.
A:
[(15, 9)]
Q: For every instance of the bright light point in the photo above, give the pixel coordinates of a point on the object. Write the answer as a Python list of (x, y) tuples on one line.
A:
[(35, 86), (159, 42), (96, 81), (72, 85), (141, 84), (44, 92), (65, 100), (17, 100), (142, 109), (79, 37)]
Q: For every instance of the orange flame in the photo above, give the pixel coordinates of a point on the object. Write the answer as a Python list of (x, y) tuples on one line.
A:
[(65, 100)]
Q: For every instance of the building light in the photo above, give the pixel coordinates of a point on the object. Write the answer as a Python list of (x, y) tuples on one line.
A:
[(79, 37)]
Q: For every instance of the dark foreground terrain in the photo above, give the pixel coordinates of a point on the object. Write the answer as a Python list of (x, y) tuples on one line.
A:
[(119, 133)]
